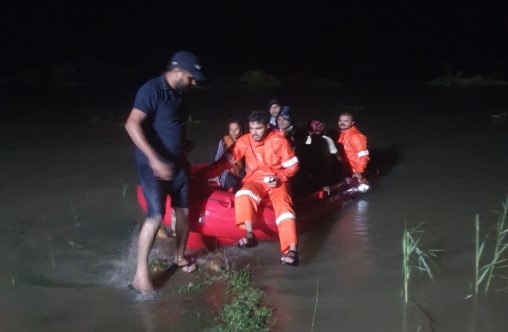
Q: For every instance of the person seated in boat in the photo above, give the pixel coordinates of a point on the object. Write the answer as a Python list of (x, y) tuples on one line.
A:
[(285, 123), (313, 152), (286, 126), (230, 179), (353, 144), (270, 164), (274, 106), (322, 151), (316, 129), (332, 161)]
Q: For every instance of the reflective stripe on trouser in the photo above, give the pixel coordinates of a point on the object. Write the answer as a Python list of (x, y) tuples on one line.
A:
[(247, 200)]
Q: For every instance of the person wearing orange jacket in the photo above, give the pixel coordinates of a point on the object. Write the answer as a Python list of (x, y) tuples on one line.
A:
[(230, 178), (270, 163), (354, 144)]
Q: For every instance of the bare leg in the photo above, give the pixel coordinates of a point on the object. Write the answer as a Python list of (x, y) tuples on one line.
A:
[(248, 226), (141, 281), (249, 240), (291, 257), (182, 234)]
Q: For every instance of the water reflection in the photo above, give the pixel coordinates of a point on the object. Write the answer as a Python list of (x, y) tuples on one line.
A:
[(352, 238)]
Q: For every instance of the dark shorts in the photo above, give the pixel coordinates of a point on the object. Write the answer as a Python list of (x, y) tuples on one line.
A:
[(156, 191)]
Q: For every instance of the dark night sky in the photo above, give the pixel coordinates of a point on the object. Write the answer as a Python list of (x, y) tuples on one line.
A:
[(331, 38)]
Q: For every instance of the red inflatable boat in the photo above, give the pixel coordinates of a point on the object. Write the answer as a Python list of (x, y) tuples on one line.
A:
[(212, 213)]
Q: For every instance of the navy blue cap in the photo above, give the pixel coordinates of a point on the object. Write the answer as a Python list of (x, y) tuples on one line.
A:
[(285, 113), (188, 62)]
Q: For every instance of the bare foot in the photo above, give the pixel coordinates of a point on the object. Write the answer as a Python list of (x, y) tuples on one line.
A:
[(161, 233), (142, 285), (184, 264)]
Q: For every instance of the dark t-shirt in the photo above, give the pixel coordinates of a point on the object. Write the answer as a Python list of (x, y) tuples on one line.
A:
[(164, 126)]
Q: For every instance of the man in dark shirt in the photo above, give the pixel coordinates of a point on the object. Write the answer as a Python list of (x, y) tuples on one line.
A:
[(156, 125)]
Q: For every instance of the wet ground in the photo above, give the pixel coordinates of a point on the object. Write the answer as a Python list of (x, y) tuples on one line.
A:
[(69, 217)]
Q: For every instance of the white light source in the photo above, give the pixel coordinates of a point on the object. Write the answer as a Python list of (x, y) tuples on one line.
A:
[(363, 187)]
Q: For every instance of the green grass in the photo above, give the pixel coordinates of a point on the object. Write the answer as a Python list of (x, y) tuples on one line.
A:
[(243, 309), (498, 262), (478, 255), (200, 283), (158, 265), (414, 258)]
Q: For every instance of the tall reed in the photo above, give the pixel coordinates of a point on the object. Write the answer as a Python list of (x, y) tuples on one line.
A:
[(489, 271), (413, 257), (478, 255)]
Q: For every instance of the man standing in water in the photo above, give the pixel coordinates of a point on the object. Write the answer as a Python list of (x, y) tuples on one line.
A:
[(156, 125), (270, 163), (354, 144)]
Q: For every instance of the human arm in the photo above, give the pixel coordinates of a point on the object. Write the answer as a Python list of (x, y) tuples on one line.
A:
[(221, 149), (331, 145), (361, 157), (134, 128), (216, 168), (289, 163)]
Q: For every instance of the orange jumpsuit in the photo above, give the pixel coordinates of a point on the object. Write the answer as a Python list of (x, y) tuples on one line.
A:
[(273, 156), (355, 148)]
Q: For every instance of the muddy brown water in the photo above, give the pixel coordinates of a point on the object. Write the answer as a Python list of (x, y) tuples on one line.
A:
[(69, 218)]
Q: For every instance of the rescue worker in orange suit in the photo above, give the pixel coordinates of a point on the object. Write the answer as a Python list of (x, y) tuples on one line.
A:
[(270, 163), (354, 144)]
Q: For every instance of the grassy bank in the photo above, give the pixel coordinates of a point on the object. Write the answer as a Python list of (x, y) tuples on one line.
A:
[(240, 302)]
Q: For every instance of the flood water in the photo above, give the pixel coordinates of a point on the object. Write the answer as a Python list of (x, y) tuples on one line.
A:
[(69, 218)]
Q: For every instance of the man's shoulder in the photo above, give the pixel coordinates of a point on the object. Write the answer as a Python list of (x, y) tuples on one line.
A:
[(152, 84), (277, 140), (356, 137), (243, 140), (353, 131), (357, 133), (275, 136)]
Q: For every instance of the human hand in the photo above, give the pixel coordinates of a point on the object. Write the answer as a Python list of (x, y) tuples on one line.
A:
[(272, 181), (357, 175), (235, 170), (161, 169)]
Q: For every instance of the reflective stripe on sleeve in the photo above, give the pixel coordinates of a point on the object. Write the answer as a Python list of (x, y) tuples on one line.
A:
[(363, 153), (290, 162), (284, 216), (245, 192)]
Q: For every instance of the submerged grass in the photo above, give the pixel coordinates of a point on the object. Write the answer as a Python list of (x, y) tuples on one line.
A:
[(498, 262), (478, 255), (242, 310), (414, 258)]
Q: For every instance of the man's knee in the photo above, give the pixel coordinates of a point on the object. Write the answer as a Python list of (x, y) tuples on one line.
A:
[(153, 222), (246, 197), (181, 212)]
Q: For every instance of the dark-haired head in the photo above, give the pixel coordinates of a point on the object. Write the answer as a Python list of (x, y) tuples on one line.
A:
[(235, 128), (236, 120), (347, 114), (273, 101), (259, 116)]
